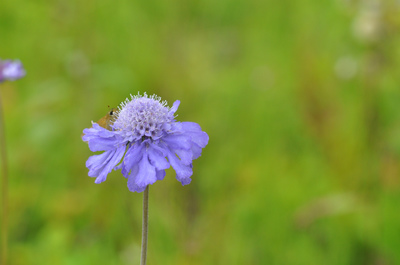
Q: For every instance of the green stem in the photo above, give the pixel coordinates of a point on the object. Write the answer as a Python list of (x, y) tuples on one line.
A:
[(4, 189), (145, 225)]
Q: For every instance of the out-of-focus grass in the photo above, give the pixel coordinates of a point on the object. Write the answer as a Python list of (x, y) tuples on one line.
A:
[(300, 101)]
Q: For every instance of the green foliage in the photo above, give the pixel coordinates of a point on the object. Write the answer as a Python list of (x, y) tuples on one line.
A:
[(299, 100)]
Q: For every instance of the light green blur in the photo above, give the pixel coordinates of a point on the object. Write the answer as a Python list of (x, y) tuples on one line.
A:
[(301, 101)]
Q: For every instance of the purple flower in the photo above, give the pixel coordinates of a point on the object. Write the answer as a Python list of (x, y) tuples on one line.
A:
[(147, 138), (11, 70)]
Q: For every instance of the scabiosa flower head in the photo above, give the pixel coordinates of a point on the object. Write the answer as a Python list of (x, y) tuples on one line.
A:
[(148, 140), (11, 70)]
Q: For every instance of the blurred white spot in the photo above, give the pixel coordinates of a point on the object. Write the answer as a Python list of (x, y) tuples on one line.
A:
[(346, 67), (367, 24)]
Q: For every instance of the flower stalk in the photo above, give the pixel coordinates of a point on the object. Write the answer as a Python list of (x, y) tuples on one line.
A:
[(145, 226), (4, 189), (9, 70)]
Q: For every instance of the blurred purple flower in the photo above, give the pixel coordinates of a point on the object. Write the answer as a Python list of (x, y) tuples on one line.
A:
[(11, 70), (145, 131)]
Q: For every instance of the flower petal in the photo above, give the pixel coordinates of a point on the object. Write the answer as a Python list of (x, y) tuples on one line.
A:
[(132, 157), (146, 175), (95, 131), (185, 181), (100, 165), (100, 139), (160, 174), (196, 151), (174, 107), (178, 141), (196, 134), (183, 172), (186, 156), (132, 186), (157, 158)]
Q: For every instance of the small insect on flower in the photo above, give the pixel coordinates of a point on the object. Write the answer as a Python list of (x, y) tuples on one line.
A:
[(146, 137), (108, 120)]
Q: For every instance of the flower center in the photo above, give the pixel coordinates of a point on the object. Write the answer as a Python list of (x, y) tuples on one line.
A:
[(143, 116)]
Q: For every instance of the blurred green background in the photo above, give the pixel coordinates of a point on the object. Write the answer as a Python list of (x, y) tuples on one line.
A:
[(300, 100)]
